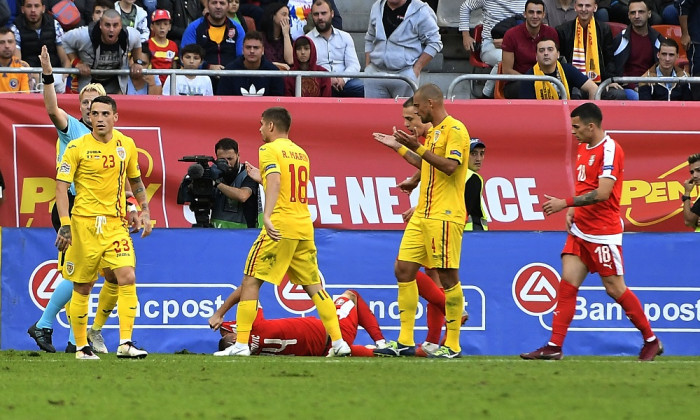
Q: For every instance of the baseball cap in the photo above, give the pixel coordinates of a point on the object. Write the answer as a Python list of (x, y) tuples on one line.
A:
[(160, 14), (475, 142)]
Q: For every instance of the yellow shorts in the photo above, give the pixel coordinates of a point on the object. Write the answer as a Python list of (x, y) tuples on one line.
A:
[(432, 243), (91, 251), (270, 261)]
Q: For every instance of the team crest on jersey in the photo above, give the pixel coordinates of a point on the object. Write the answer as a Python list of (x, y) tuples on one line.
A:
[(436, 136), (14, 83), (64, 168), (121, 152), (591, 160), (70, 268)]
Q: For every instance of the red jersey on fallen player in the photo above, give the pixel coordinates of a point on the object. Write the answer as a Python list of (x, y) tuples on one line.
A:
[(600, 222)]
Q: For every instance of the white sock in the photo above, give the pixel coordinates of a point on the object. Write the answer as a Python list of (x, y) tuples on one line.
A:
[(380, 343), (337, 343), (124, 341)]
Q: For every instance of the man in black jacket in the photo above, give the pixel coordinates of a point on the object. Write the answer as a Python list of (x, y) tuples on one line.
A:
[(33, 28), (577, 51), (637, 46)]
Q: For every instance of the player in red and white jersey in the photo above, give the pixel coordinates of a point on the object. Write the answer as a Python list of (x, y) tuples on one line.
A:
[(595, 229), (301, 336)]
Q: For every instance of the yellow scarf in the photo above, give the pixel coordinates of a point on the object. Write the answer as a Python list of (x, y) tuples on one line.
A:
[(546, 90), (585, 57)]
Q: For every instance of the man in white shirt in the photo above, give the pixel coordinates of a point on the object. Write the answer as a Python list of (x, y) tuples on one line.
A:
[(335, 51)]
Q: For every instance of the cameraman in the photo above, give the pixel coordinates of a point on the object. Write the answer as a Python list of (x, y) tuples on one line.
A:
[(236, 199)]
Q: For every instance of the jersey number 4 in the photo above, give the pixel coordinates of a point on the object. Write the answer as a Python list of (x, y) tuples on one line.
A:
[(299, 178)]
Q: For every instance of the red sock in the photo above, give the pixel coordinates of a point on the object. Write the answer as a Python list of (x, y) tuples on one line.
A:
[(429, 291), (361, 351), (634, 311), (564, 312), (435, 318), (367, 320)]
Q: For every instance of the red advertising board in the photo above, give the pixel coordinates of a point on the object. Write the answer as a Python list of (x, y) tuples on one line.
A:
[(529, 153)]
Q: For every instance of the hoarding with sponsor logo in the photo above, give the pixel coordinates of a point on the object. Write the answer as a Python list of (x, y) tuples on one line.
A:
[(529, 153), (509, 281)]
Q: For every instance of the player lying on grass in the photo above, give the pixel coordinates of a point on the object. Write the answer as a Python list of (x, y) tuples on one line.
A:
[(300, 336)]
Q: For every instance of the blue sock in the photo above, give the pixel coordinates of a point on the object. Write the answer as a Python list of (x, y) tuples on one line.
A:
[(58, 300)]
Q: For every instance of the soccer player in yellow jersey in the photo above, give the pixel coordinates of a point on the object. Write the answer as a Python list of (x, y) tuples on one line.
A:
[(286, 242), (97, 234), (433, 236)]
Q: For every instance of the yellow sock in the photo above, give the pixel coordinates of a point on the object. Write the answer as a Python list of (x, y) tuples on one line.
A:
[(128, 303), (79, 318), (408, 303), (245, 316), (105, 304), (326, 311), (454, 306)]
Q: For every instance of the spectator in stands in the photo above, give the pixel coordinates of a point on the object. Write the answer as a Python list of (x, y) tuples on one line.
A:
[(336, 51), (548, 65), (83, 6), (305, 59), (298, 13), (33, 28), (402, 38), (637, 47), (141, 84), (618, 11), (668, 11), (666, 67), (99, 8), (520, 44), (221, 38), (253, 59), (690, 26), (277, 38), (163, 50), (134, 16), (4, 13), (104, 46), (182, 13), (494, 11), (558, 12), (191, 58), (691, 212), (11, 82), (234, 13), (593, 55)]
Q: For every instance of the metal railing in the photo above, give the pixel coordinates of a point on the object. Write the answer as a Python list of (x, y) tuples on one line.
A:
[(298, 74), (509, 77), (604, 84)]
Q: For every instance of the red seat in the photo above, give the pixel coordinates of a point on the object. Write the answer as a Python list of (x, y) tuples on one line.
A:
[(475, 56), (674, 32), (616, 28)]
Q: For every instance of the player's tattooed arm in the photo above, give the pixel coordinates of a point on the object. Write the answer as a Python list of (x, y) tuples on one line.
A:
[(139, 191), (63, 238), (587, 199)]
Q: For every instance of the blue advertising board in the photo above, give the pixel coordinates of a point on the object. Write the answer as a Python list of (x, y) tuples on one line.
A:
[(509, 281)]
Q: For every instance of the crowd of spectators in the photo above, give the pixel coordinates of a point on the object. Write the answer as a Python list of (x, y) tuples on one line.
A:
[(602, 39)]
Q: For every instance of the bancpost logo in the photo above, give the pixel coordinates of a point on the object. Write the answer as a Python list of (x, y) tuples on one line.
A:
[(669, 309), (294, 298), (43, 282), (381, 299), (161, 306), (535, 289)]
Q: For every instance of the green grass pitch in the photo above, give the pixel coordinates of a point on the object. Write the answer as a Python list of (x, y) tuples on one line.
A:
[(163, 386)]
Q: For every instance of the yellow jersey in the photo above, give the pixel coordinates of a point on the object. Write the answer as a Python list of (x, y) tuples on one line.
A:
[(441, 195), (14, 82), (291, 215), (99, 171)]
